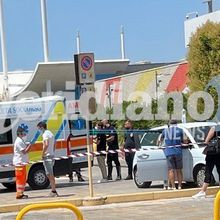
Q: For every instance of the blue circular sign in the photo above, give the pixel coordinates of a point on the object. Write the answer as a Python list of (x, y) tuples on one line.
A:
[(86, 63)]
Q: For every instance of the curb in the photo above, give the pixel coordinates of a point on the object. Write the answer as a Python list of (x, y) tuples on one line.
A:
[(119, 198), (18, 207), (94, 201)]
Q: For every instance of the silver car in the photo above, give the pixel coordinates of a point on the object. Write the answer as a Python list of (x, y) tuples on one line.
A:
[(150, 162)]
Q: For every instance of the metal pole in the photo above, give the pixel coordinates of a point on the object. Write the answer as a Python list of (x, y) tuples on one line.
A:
[(78, 42), (110, 100), (156, 86), (122, 43), (44, 30), (89, 160), (210, 6), (4, 52), (216, 206)]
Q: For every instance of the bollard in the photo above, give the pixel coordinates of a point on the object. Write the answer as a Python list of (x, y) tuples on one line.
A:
[(216, 206)]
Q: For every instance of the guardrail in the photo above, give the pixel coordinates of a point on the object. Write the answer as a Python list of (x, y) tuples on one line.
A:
[(217, 207), (28, 208)]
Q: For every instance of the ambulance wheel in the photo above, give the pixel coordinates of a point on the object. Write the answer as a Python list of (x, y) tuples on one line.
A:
[(139, 183), (37, 178), (10, 186)]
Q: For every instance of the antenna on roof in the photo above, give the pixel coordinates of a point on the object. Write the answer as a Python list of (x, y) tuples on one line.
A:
[(78, 42), (122, 43), (210, 8)]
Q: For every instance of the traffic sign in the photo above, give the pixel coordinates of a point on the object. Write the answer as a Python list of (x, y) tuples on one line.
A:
[(86, 63), (84, 68)]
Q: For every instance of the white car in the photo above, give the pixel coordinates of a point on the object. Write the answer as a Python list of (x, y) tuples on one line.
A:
[(150, 162)]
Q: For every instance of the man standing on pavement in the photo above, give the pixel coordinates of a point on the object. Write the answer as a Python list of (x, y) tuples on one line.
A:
[(20, 158), (100, 140), (112, 144), (48, 155), (173, 137), (131, 142)]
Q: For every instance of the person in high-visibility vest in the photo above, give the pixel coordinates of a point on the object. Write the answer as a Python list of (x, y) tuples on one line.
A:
[(20, 159)]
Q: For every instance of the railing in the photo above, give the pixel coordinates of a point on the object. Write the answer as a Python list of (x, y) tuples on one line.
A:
[(28, 208)]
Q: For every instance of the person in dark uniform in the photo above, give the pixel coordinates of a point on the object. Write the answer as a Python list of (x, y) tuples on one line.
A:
[(131, 141), (112, 144), (100, 140)]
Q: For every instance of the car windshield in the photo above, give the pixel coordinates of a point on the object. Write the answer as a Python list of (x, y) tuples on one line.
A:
[(150, 138), (199, 133)]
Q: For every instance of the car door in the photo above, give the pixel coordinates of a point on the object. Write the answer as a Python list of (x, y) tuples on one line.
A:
[(152, 165), (187, 157), (151, 161)]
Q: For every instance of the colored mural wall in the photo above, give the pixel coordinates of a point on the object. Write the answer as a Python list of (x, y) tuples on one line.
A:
[(154, 83)]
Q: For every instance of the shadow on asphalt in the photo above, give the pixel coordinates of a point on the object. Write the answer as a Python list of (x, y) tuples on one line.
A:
[(58, 185)]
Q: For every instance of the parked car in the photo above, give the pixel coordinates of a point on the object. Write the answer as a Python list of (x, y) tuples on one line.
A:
[(150, 162)]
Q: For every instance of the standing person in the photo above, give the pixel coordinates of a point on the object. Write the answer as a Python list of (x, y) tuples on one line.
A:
[(70, 163), (20, 158), (100, 140), (112, 144), (48, 155), (131, 141), (173, 137), (211, 161)]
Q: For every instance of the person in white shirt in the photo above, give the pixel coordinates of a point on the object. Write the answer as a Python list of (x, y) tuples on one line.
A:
[(20, 160), (48, 155)]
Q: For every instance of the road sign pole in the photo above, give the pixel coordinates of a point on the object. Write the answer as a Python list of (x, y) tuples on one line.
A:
[(85, 75), (89, 160)]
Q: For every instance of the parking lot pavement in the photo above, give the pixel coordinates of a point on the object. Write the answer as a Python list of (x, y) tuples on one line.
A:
[(172, 209), (80, 189), (154, 209)]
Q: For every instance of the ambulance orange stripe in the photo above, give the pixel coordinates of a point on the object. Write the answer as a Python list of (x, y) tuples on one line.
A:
[(6, 150), (38, 146)]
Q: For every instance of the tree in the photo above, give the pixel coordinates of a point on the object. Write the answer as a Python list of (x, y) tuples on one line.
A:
[(204, 55), (204, 60)]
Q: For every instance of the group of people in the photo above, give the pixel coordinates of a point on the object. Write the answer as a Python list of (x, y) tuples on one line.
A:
[(173, 138), (20, 158), (106, 139)]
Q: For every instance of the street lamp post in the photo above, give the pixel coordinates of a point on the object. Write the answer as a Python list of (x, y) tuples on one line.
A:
[(157, 84), (44, 30), (109, 94), (4, 53)]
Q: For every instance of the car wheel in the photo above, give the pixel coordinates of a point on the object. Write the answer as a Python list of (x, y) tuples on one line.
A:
[(37, 178), (199, 176), (10, 186), (138, 183)]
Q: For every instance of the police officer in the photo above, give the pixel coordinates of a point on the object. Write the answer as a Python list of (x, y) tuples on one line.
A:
[(112, 144), (131, 141)]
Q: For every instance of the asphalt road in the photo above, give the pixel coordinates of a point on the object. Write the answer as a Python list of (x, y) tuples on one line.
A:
[(172, 209), (81, 188)]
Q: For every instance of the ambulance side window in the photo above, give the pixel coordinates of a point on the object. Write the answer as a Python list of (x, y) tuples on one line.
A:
[(5, 137), (78, 127)]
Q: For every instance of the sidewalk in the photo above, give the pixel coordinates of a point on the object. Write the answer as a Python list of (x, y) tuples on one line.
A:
[(80, 197), (77, 193)]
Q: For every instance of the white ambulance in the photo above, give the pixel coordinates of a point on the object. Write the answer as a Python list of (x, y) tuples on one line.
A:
[(70, 138)]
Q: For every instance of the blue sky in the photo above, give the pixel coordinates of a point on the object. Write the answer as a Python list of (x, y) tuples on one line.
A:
[(154, 29)]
